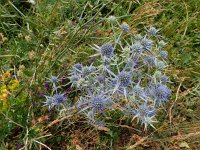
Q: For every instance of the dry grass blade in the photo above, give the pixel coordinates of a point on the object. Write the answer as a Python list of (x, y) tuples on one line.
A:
[(102, 128), (57, 120), (137, 143), (183, 137), (170, 109)]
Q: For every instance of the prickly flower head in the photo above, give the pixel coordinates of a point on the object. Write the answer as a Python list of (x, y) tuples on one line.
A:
[(151, 61), (164, 78), (163, 54), (54, 79), (77, 68), (99, 103), (160, 65), (146, 43), (161, 93), (87, 70), (138, 91), (112, 19), (101, 79), (49, 102), (124, 79), (58, 99), (107, 50), (145, 115), (137, 47), (125, 27), (153, 31)]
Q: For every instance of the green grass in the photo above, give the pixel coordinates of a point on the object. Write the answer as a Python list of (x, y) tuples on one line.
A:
[(47, 38)]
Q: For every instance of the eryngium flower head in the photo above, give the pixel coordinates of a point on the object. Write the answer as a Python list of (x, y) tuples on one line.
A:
[(74, 78), (101, 79), (49, 102), (138, 91), (146, 43), (77, 68), (59, 99), (145, 115), (164, 78), (112, 19), (153, 31), (160, 65), (124, 79), (88, 70), (145, 111), (107, 50), (99, 103), (106, 62), (137, 47), (54, 79), (163, 54), (160, 93), (125, 27), (151, 61), (157, 74)]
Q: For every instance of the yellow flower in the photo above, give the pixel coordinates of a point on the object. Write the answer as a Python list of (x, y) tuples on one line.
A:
[(124, 22), (3, 98), (5, 76), (5, 105), (4, 93), (13, 84)]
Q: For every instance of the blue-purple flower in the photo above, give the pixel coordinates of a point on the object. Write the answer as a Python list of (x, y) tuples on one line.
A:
[(138, 91), (151, 61), (124, 79), (94, 104), (160, 65), (160, 94), (163, 54), (99, 103), (49, 102), (153, 31), (107, 50), (87, 70), (146, 43), (145, 114), (164, 79), (137, 47), (54, 79), (77, 68), (55, 100), (59, 99), (125, 27), (101, 79)]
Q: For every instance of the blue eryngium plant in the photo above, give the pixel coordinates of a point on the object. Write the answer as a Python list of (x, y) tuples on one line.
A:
[(129, 75), (57, 99)]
